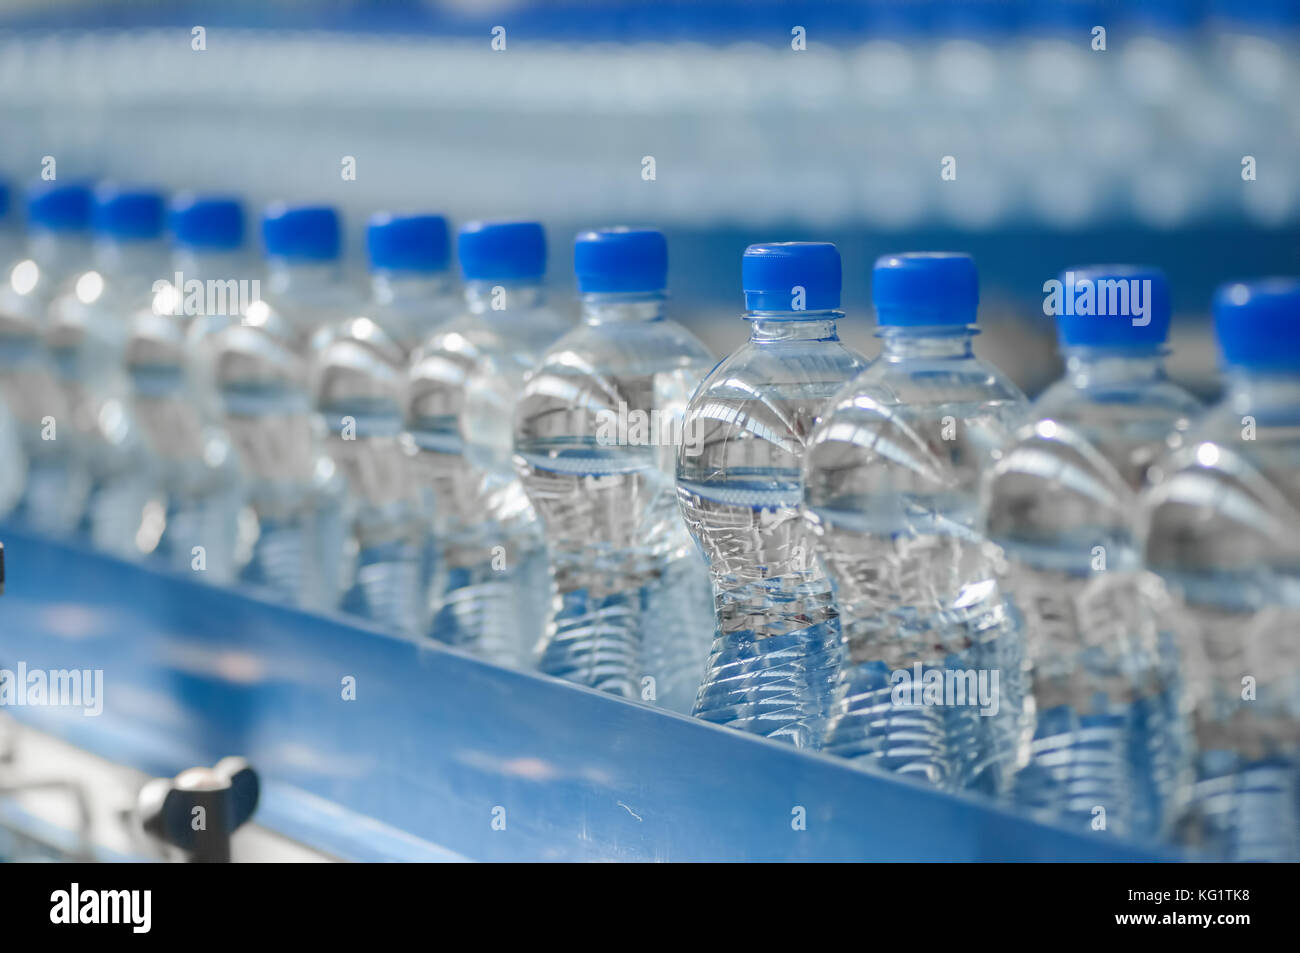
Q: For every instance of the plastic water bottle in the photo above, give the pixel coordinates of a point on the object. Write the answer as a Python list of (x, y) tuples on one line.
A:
[(929, 688), (490, 591), (597, 429), (183, 495), (86, 334), (777, 647), (58, 245), (1221, 524), (261, 368), (1104, 705), (215, 279), (411, 288), (360, 389)]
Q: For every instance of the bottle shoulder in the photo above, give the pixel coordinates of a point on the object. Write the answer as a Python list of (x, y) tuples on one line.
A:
[(613, 392), (1240, 447), (756, 370), (94, 312), (1129, 424), (1217, 511), (1224, 503), (930, 383), (1054, 492), (643, 347), (477, 349), (261, 351), (1121, 400), (355, 361), (302, 312), (411, 321), (92, 294), (523, 335), (157, 338), (923, 430), (756, 409), (931, 395)]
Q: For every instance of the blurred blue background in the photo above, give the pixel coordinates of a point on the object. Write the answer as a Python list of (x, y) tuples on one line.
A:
[(765, 120)]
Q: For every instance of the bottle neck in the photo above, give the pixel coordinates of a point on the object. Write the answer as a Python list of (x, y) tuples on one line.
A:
[(285, 275), (1250, 390), (497, 297), (611, 308), (767, 327), (1089, 366), (389, 287), (59, 249), (951, 342), (193, 263), (147, 257)]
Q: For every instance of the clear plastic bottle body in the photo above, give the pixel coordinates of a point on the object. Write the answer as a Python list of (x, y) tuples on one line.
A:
[(1104, 726), (185, 493), (777, 646), (1124, 405), (86, 334), (28, 383), (359, 385), (411, 306), (261, 368), (489, 594), (891, 491), (229, 282), (1221, 525), (597, 429)]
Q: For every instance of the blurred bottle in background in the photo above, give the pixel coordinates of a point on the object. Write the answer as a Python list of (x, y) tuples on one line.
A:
[(219, 276), (87, 330), (360, 386), (1104, 701), (597, 429), (411, 287), (932, 684), (183, 495), (58, 245), (261, 369), (778, 647), (490, 592), (1221, 524)]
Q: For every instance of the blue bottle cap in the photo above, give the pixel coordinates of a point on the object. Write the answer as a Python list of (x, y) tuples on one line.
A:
[(301, 232), (1112, 306), (59, 208), (621, 261), (1258, 324), (925, 289), (502, 251), (417, 243), (791, 276), (207, 222), (128, 214)]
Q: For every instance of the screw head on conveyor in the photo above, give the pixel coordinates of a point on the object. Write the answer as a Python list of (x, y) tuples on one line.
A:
[(200, 808)]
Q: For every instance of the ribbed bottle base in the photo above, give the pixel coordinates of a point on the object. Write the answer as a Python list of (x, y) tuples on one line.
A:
[(775, 659)]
